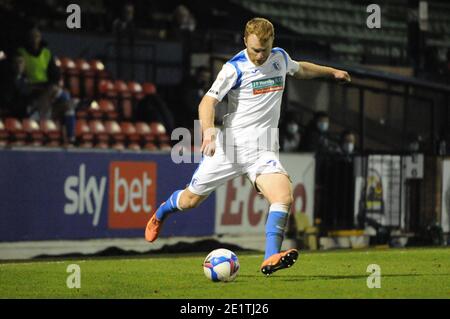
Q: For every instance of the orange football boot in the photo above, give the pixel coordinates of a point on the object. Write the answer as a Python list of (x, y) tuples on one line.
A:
[(279, 261), (153, 228)]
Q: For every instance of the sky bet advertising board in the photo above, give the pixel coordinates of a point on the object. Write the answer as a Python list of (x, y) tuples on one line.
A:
[(78, 195)]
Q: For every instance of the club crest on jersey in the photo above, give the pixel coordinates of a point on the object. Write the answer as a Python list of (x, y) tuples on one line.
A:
[(276, 66)]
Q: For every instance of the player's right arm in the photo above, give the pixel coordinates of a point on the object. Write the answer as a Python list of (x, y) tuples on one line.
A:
[(225, 80)]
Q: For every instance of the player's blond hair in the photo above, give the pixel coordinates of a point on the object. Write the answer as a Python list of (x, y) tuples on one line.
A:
[(260, 27)]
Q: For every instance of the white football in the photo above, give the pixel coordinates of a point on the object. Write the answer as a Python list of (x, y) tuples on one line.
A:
[(221, 265)]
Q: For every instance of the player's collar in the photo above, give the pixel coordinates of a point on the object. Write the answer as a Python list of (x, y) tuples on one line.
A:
[(253, 64)]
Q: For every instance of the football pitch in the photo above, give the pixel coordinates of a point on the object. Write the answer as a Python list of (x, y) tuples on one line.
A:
[(404, 273)]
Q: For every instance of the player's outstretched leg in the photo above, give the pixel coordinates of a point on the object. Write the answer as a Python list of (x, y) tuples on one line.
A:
[(180, 200), (274, 259), (165, 209)]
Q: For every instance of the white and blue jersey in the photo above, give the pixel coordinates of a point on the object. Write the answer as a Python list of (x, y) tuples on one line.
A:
[(254, 97), (254, 101)]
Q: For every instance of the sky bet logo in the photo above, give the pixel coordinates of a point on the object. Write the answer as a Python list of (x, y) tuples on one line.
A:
[(131, 196)]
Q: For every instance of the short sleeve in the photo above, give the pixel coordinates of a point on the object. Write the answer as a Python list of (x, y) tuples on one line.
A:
[(292, 66), (225, 80)]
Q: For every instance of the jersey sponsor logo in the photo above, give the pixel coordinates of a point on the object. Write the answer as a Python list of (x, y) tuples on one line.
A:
[(267, 85), (132, 194)]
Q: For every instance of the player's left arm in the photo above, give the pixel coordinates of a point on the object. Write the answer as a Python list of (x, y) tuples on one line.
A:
[(309, 70)]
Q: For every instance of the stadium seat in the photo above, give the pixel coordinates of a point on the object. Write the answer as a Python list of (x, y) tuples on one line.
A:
[(87, 78), (107, 109), (149, 88), (35, 137), (106, 87), (15, 131), (107, 90), (58, 62), (94, 110), (150, 147), (159, 131), (134, 147), (101, 137), (71, 75), (143, 128), (83, 134), (165, 147), (124, 99), (114, 131), (136, 90), (98, 69), (145, 133), (131, 134), (52, 132)]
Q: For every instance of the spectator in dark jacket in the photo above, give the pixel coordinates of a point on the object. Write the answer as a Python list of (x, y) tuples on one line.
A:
[(316, 137), (14, 88), (152, 108)]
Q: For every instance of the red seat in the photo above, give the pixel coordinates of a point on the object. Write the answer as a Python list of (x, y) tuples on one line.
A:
[(150, 147), (15, 131), (159, 131), (35, 137), (101, 137), (105, 86), (165, 147), (99, 73), (82, 65), (131, 134), (121, 87), (157, 128), (149, 88), (83, 134), (71, 75), (52, 132), (94, 110), (117, 138), (65, 64), (136, 90), (99, 68), (147, 135), (107, 90), (107, 109), (134, 147), (87, 78), (125, 101)]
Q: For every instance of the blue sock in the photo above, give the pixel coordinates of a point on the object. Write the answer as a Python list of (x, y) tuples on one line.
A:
[(170, 206), (276, 222)]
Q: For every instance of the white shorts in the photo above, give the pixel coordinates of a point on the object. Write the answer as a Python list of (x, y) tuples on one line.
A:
[(216, 170)]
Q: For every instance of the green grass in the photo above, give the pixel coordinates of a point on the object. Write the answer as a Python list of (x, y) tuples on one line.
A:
[(405, 273)]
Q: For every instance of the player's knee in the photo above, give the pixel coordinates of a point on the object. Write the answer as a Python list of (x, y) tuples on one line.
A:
[(285, 200)]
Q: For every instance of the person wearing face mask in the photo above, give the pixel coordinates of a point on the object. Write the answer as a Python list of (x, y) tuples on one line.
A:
[(347, 144), (291, 136), (316, 136)]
